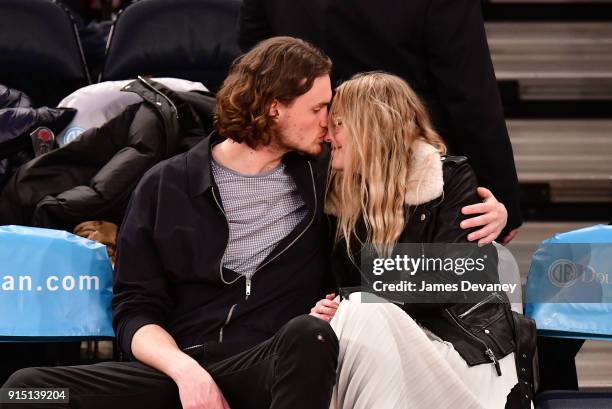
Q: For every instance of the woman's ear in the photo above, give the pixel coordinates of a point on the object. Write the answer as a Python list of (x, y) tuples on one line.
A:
[(274, 109)]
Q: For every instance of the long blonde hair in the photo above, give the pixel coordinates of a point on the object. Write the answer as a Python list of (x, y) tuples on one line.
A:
[(383, 117)]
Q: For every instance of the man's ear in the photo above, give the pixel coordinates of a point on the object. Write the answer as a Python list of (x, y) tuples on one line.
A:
[(274, 109)]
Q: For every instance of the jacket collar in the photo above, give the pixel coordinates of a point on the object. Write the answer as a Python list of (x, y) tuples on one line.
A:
[(199, 174), (200, 178), (161, 99), (425, 178)]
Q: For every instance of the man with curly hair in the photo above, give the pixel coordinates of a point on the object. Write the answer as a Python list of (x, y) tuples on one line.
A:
[(438, 46), (221, 253)]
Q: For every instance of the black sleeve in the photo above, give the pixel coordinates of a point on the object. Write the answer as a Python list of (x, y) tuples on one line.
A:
[(459, 190), (253, 25), (460, 63), (140, 291)]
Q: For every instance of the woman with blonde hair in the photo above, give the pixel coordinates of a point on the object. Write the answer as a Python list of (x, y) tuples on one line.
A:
[(391, 182)]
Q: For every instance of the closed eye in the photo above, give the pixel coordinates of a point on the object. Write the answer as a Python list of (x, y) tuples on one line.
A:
[(318, 108)]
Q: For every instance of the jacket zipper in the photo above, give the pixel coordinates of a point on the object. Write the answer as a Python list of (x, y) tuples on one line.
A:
[(229, 317), (493, 339), (487, 351), (226, 241), (231, 311), (479, 304), (314, 213), (248, 277)]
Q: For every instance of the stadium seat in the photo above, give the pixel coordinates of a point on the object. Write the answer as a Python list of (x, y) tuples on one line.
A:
[(189, 39), (573, 400), (41, 51)]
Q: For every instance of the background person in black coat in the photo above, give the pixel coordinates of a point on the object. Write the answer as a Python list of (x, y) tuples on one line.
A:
[(438, 46)]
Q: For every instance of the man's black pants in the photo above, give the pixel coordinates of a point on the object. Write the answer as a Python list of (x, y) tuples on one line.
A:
[(296, 368)]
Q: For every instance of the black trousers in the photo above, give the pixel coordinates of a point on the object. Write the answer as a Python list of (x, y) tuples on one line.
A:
[(296, 368)]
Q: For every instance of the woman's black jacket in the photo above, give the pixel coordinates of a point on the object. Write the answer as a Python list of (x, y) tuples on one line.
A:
[(486, 333)]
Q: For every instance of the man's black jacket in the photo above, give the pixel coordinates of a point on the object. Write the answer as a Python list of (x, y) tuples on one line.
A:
[(170, 247), (438, 46)]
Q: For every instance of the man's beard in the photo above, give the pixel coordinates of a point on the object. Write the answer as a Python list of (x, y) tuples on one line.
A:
[(283, 143)]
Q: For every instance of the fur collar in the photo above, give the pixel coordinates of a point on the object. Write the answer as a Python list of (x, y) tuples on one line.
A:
[(425, 179)]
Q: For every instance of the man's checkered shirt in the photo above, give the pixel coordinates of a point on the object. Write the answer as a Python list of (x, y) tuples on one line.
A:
[(261, 210)]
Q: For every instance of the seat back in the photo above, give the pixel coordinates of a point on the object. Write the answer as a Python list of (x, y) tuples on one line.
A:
[(509, 274), (189, 39), (40, 49), (573, 400), (58, 286)]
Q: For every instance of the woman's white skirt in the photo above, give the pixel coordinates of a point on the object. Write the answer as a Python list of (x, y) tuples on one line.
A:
[(388, 361)]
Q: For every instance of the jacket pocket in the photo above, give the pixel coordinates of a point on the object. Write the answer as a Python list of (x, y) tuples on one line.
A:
[(472, 308), (194, 351), (486, 331)]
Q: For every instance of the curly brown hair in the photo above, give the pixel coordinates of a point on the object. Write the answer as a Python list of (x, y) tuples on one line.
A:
[(280, 68)]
